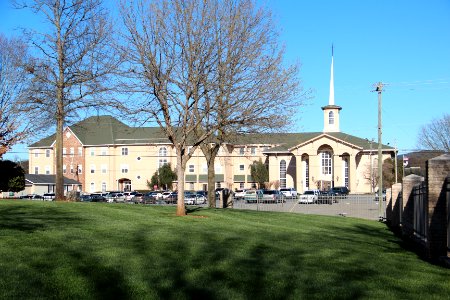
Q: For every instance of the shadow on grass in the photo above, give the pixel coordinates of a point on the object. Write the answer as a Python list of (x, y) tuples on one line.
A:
[(182, 258), (31, 218)]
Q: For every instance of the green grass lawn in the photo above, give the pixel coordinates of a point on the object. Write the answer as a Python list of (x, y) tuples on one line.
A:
[(54, 250)]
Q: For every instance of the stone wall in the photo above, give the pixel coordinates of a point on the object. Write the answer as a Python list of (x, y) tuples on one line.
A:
[(437, 174), (401, 211)]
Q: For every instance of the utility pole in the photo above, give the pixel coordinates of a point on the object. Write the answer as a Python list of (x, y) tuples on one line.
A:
[(395, 162), (379, 89)]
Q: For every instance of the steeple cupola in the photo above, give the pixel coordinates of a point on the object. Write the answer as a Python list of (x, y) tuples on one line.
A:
[(331, 111)]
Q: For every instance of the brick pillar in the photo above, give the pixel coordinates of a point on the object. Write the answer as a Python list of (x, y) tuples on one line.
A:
[(407, 214), (393, 210), (437, 171)]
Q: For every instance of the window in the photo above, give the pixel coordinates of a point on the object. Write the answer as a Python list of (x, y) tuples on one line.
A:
[(36, 153), (47, 153), (64, 151), (47, 170), (71, 169), (218, 186), (241, 151), (80, 151), (80, 169), (205, 168), (103, 187), (92, 152), (36, 170), (241, 167), (92, 169), (104, 169), (331, 118), (326, 162), (64, 169), (92, 187), (162, 162), (124, 168), (307, 173), (283, 174), (163, 151), (191, 168), (241, 185), (72, 151), (124, 151), (104, 151), (346, 172), (253, 150), (191, 186)]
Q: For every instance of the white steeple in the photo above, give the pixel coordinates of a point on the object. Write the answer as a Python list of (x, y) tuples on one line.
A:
[(331, 98), (331, 111)]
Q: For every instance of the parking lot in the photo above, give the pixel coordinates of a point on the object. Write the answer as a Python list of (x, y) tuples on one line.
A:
[(357, 206)]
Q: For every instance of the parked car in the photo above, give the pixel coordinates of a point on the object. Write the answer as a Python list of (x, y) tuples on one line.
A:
[(32, 197), (239, 194), (201, 197), (377, 196), (97, 198), (149, 198), (166, 195), (253, 196), (85, 198), (338, 190), (129, 195), (289, 192), (138, 198), (311, 196), (273, 196), (172, 198), (115, 197), (49, 196), (190, 198)]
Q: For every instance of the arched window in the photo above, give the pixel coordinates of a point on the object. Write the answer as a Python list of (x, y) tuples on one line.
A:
[(163, 151), (331, 118), (325, 158), (307, 173), (283, 174), (346, 173)]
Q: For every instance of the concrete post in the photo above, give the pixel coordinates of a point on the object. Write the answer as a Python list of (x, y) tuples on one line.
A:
[(395, 207)]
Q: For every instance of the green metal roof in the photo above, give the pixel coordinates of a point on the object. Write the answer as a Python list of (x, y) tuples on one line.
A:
[(107, 130)]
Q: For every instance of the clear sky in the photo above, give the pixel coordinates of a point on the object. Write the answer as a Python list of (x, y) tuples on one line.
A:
[(402, 43)]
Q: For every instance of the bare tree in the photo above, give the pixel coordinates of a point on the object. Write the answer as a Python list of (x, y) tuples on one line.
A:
[(436, 135), (14, 124), (170, 52), (249, 83), (75, 65)]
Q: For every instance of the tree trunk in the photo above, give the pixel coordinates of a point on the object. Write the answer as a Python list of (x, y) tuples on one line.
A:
[(210, 154), (181, 211), (59, 179)]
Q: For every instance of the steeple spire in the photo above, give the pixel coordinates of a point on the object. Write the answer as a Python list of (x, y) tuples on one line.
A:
[(331, 111), (331, 98)]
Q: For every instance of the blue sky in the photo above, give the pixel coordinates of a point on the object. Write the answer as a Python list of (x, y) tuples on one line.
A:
[(402, 43)]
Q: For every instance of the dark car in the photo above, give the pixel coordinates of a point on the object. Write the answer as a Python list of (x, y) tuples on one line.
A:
[(97, 198), (338, 190)]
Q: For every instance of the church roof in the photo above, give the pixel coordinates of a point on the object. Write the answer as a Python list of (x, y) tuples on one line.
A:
[(107, 130)]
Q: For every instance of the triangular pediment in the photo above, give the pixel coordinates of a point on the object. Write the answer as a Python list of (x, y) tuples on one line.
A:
[(348, 142)]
